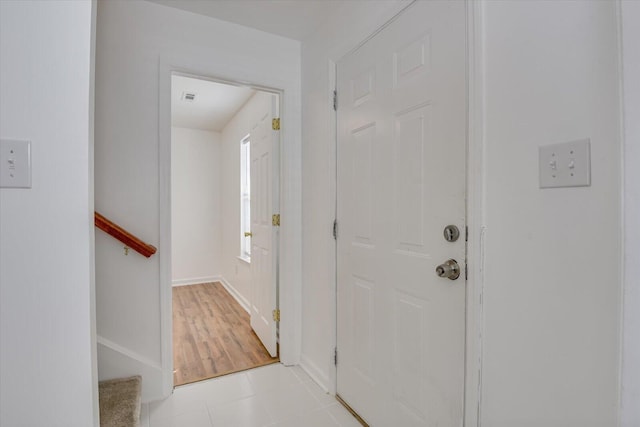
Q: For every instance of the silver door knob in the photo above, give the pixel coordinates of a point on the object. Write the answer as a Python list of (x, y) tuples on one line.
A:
[(450, 270)]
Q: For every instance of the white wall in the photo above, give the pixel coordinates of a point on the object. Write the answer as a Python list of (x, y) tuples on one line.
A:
[(350, 23), (135, 39), (631, 356), (237, 272), (196, 205), (46, 352), (552, 286)]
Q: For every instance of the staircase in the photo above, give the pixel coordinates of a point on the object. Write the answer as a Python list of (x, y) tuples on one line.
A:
[(120, 402), (120, 398)]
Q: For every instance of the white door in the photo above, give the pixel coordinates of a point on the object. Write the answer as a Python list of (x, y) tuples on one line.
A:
[(264, 239), (401, 181)]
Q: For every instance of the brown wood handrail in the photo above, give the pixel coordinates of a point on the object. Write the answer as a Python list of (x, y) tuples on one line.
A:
[(124, 236)]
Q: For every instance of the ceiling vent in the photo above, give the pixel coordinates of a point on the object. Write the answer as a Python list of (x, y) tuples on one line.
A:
[(188, 96)]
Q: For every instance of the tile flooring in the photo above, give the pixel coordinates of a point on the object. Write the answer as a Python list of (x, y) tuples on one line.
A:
[(270, 396)]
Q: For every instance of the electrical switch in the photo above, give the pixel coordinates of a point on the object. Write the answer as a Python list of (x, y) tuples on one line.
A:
[(15, 164), (565, 165)]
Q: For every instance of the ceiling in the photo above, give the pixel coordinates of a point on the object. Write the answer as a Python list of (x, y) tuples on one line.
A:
[(214, 104), (295, 19)]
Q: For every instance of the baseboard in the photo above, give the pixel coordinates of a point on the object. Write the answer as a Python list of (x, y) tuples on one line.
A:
[(116, 361), (244, 303), (195, 280), (316, 374)]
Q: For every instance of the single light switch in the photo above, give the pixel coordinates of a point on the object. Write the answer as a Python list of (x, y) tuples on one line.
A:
[(15, 164), (565, 165)]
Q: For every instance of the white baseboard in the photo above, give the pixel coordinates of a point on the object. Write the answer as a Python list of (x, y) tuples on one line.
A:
[(316, 374), (195, 280), (244, 302)]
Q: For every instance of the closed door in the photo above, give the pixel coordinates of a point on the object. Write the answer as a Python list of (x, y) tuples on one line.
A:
[(264, 201), (401, 181)]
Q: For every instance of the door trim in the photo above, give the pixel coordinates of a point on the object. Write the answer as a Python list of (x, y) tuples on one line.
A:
[(290, 208), (474, 205), (475, 213)]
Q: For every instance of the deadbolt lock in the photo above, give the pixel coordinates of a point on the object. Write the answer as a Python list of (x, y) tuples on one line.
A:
[(450, 270), (451, 233)]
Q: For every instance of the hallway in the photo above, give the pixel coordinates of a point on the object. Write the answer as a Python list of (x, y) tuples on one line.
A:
[(547, 279)]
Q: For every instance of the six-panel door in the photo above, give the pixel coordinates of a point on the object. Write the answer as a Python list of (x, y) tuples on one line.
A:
[(401, 181)]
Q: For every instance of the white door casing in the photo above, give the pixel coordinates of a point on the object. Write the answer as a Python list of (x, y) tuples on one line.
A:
[(231, 66), (264, 239), (401, 180)]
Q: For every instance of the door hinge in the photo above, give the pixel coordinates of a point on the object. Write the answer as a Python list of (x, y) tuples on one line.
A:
[(335, 229), (335, 100), (275, 124), (466, 270), (335, 356), (275, 220), (466, 233), (276, 315)]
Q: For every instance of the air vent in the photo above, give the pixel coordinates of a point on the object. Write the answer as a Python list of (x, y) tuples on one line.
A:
[(188, 96)]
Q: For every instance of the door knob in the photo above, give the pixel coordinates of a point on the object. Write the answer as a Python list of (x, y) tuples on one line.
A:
[(450, 270)]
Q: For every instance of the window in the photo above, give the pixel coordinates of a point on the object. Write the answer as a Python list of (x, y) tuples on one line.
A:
[(245, 198)]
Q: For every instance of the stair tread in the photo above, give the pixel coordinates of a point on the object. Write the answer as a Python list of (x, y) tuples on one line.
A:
[(120, 401)]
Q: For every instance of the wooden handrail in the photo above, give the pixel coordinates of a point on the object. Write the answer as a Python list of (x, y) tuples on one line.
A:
[(124, 236)]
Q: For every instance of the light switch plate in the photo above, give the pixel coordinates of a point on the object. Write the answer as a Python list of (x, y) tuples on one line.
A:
[(15, 163), (565, 165)]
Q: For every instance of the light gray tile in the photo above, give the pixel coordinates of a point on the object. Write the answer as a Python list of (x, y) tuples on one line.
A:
[(318, 418), (188, 419), (226, 389), (342, 416), (272, 377), (324, 398), (294, 400), (247, 412), (176, 404), (271, 396), (301, 374)]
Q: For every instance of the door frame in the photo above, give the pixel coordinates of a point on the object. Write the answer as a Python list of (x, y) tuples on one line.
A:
[(474, 200), (275, 176), (288, 255)]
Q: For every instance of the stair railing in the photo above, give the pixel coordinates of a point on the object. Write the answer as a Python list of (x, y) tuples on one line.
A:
[(124, 236)]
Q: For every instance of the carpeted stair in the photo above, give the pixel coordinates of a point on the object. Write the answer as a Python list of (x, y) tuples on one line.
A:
[(120, 402)]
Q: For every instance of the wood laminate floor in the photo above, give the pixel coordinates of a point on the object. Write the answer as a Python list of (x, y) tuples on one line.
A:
[(212, 335)]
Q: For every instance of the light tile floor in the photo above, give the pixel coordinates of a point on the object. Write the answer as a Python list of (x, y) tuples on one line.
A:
[(270, 396)]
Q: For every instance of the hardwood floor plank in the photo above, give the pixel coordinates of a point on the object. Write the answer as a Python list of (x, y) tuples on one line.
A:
[(212, 334)]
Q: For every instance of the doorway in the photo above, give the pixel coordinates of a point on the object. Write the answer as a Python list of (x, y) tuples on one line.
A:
[(224, 191), (401, 150)]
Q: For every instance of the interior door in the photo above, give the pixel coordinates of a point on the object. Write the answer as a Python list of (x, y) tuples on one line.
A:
[(401, 181), (264, 239)]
